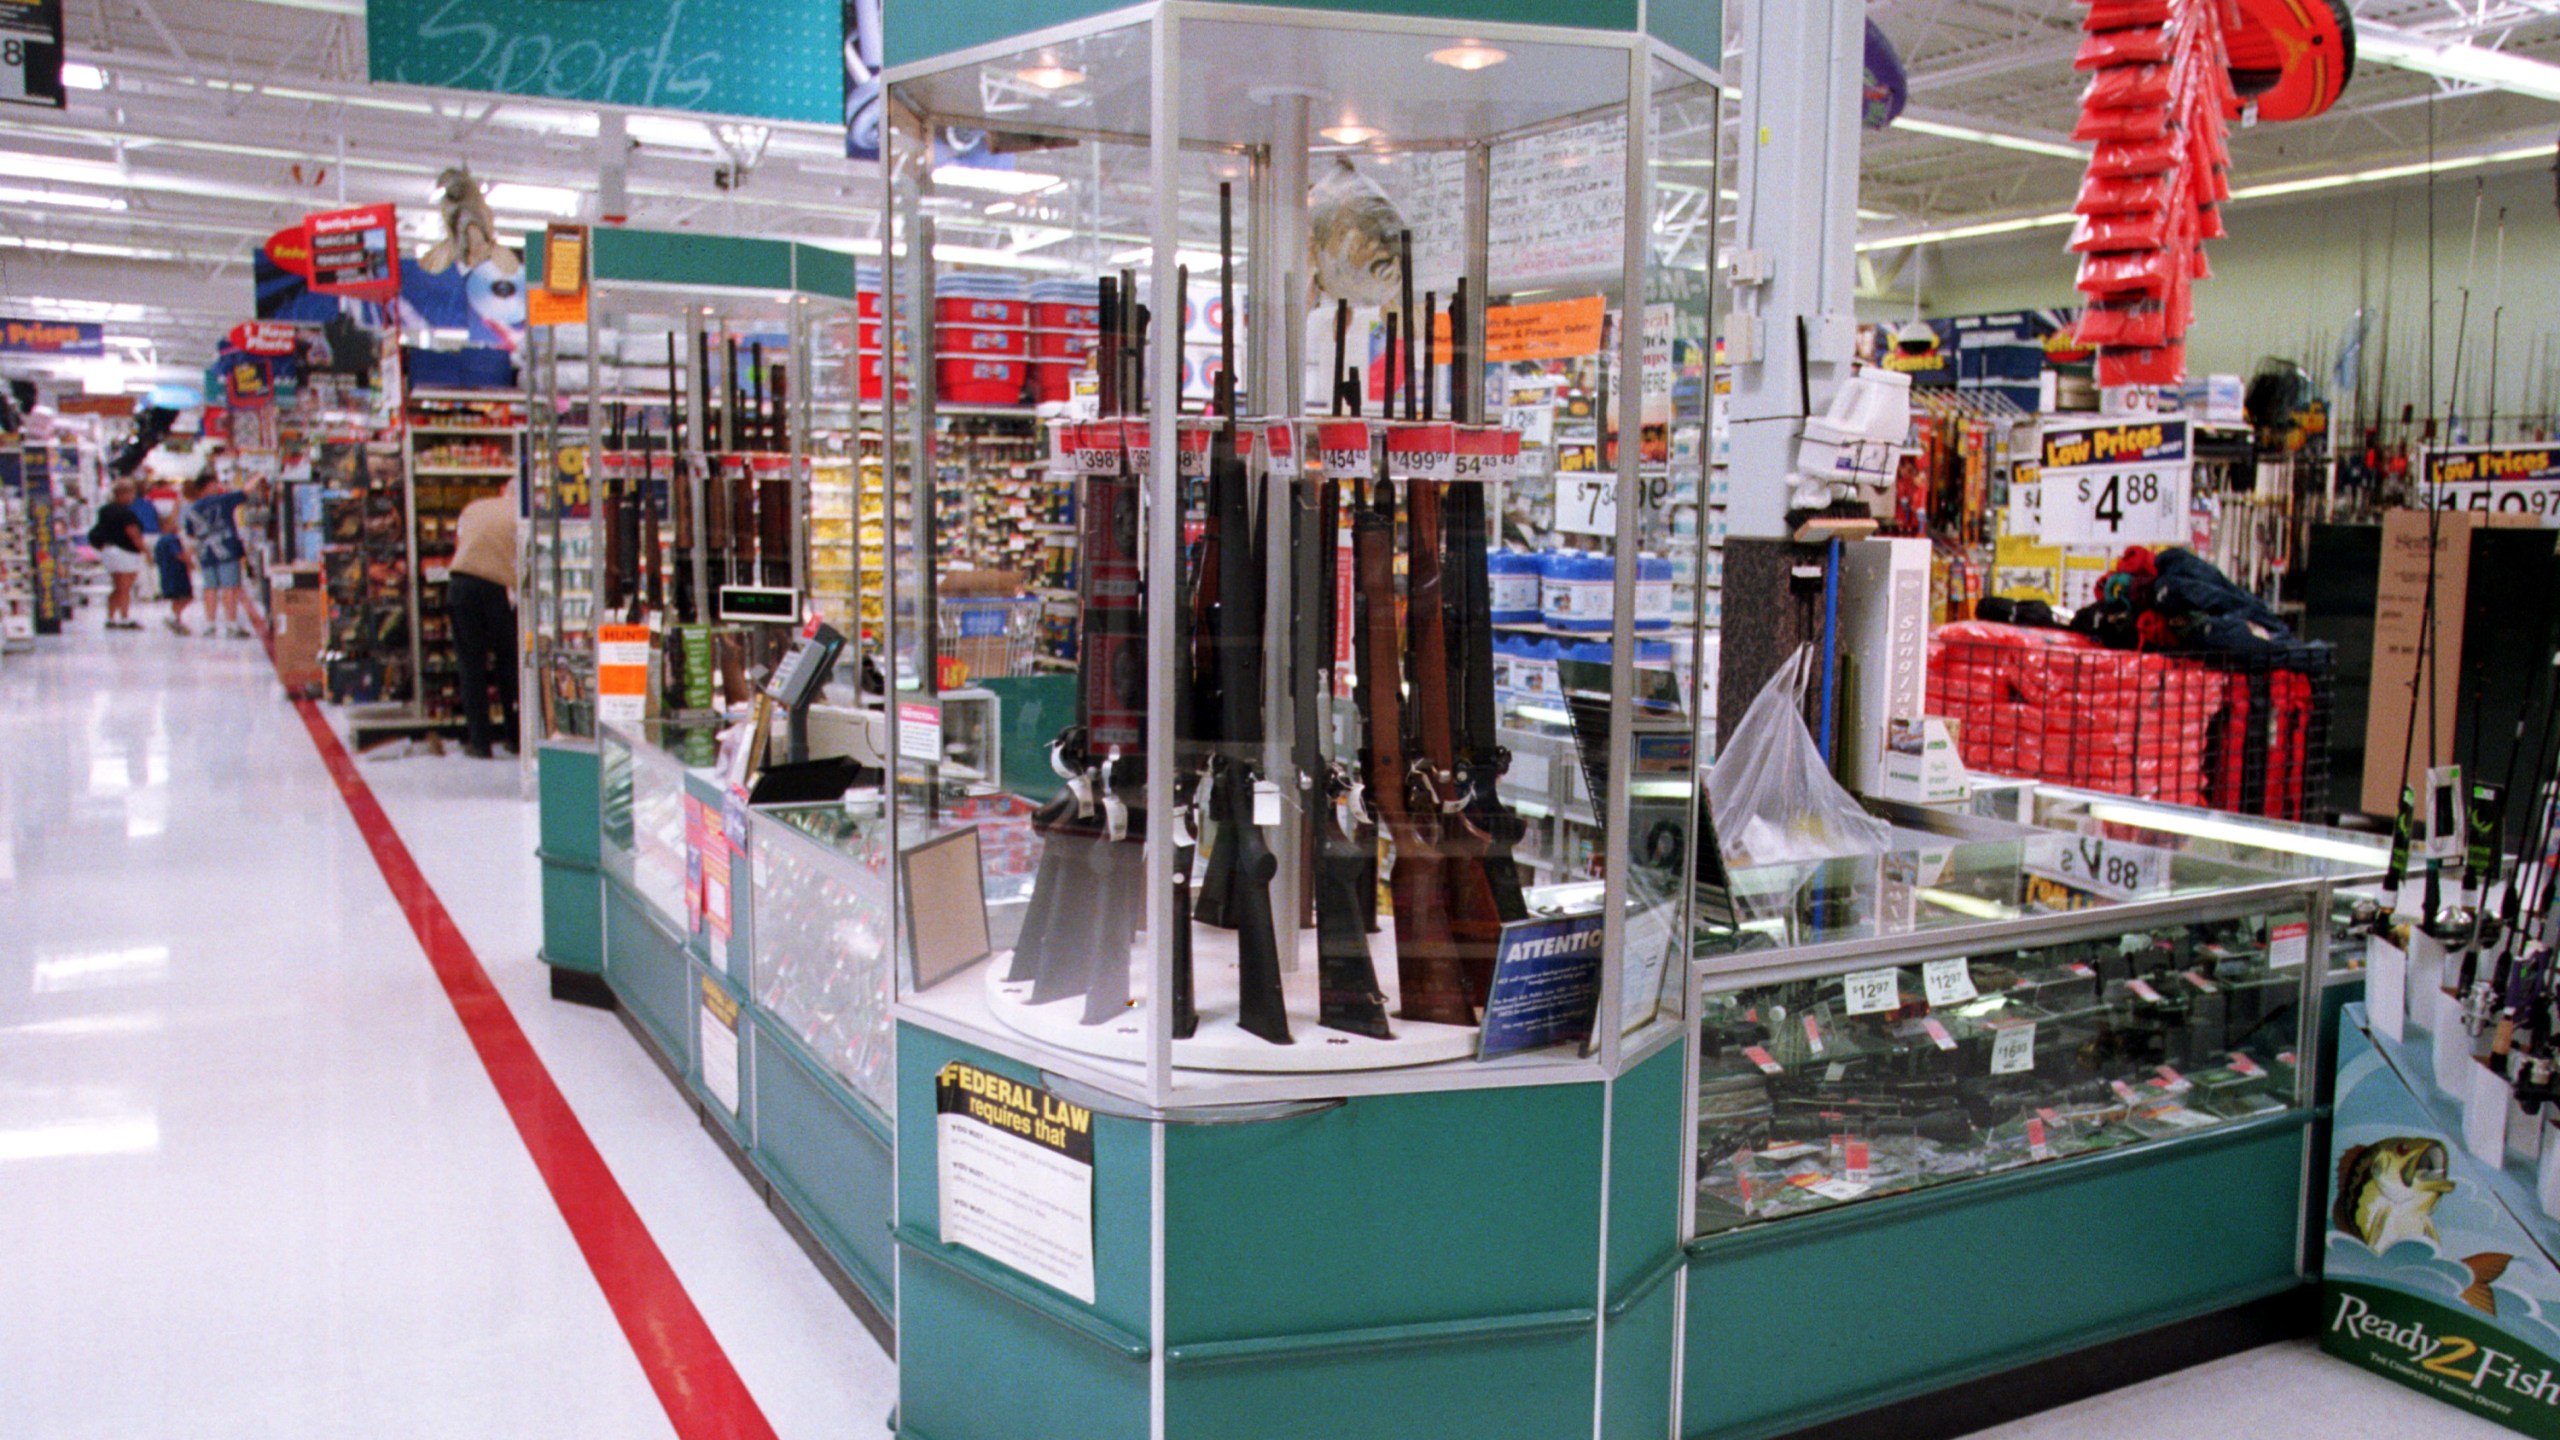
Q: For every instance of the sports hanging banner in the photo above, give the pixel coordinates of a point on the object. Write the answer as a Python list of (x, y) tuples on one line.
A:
[(2503, 480), (2125, 483), (769, 59), (31, 53)]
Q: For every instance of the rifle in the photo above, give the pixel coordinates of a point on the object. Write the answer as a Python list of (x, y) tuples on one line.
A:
[(1432, 986), (1087, 895), (1433, 781), (741, 495), (1237, 890), (617, 562), (1348, 996), (1489, 893), (774, 497)]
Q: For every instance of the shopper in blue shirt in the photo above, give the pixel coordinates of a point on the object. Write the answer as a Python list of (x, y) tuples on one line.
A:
[(213, 530)]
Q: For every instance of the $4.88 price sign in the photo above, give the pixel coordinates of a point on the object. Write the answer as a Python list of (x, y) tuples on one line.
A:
[(1587, 503), (2119, 484)]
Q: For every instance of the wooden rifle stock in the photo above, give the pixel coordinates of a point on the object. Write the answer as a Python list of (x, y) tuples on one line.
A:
[(1432, 986), (1348, 996), (1434, 782), (1488, 893)]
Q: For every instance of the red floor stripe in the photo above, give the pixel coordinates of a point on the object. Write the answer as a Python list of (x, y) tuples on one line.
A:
[(686, 1366)]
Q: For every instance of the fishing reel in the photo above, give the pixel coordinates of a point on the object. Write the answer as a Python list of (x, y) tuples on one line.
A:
[(2537, 1081), (2453, 924)]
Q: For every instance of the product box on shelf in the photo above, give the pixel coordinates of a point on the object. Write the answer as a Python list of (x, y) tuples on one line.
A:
[(298, 610), (2438, 1270)]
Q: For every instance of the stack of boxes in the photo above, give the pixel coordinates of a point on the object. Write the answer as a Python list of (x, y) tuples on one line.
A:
[(2159, 91), (982, 339), (2053, 705), (1066, 325)]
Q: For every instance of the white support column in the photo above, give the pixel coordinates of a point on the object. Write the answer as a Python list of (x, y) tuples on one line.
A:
[(1801, 76)]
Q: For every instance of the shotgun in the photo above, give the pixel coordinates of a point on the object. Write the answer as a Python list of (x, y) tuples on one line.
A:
[(617, 560), (1433, 780), (774, 500), (1432, 987), (1348, 996), (1237, 888)]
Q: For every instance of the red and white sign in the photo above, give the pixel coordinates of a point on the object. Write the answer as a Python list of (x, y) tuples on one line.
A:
[(263, 337), (355, 252)]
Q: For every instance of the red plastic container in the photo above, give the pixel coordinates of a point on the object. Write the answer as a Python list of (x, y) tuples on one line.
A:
[(963, 310), (870, 330), (866, 303), (1049, 315), (974, 340), (971, 380), (1053, 380), (1063, 344)]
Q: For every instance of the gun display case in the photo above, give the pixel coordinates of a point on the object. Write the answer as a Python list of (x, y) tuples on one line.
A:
[(1268, 919)]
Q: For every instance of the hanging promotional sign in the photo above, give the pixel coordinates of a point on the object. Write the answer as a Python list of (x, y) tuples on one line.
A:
[(561, 298), (248, 382), (2116, 484), (1549, 330), (771, 59), (262, 337), (51, 337), (31, 53), (2503, 480), (355, 253)]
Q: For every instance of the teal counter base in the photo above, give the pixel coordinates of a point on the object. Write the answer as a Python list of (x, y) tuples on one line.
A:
[(572, 883), (1931, 1291), (820, 1158)]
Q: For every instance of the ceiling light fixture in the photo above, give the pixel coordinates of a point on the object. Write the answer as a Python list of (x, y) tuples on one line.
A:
[(1049, 75), (1470, 55), (70, 200), (515, 195), (998, 182), (79, 76), (2456, 61), (2020, 143), (1350, 132)]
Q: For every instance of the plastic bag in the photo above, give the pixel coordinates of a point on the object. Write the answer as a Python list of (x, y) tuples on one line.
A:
[(1773, 799)]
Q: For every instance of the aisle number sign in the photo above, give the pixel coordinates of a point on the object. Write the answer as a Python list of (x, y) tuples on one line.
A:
[(2119, 483), (31, 53), (2502, 480)]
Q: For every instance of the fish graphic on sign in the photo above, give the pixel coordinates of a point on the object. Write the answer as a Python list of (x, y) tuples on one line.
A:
[(2387, 1194)]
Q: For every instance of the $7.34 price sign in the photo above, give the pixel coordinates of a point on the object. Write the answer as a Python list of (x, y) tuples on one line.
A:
[(1587, 502), (2125, 483)]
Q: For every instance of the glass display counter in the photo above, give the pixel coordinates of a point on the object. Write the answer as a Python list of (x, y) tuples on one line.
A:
[(1994, 1032)]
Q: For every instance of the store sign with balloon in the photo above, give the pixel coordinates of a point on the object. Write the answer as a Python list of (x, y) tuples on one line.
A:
[(344, 270)]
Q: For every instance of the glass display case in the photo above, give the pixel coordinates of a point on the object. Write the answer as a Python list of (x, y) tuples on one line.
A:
[(821, 937), (1306, 827), (1960, 1007)]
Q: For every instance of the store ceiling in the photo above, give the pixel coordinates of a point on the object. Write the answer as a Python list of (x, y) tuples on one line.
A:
[(208, 124)]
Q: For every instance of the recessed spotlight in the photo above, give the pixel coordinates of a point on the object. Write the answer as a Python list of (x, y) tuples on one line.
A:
[(1350, 132), (1050, 75), (1470, 55)]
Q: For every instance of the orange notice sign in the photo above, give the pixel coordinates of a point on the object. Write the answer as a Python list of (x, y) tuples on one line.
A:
[(1552, 330)]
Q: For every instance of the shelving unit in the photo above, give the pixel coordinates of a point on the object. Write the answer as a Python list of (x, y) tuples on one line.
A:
[(457, 446), (365, 566)]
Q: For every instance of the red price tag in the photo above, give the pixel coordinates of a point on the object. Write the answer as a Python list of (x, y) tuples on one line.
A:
[(1938, 1033), (1760, 1057)]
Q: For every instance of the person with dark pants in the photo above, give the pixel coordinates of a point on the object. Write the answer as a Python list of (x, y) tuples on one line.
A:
[(480, 599)]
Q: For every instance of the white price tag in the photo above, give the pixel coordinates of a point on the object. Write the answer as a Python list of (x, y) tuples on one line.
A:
[(2013, 1049), (2288, 942), (1873, 992), (1838, 1189), (1587, 500), (2111, 868), (2125, 483), (1949, 982)]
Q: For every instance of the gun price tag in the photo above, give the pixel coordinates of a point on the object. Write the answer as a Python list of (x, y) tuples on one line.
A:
[(1760, 1057), (2170, 1079), (1423, 452), (2079, 969), (1949, 982), (1938, 1033), (2288, 942), (2115, 485), (1872, 992), (2142, 990), (1094, 449), (2203, 986), (2125, 1092), (2242, 1065), (2036, 1145), (1344, 447), (2013, 1048), (1812, 1035)]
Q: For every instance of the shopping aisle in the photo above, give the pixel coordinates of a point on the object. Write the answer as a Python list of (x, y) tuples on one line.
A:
[(254, 1180)]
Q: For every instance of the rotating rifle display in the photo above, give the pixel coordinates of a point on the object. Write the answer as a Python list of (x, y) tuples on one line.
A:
[(1228, 705)]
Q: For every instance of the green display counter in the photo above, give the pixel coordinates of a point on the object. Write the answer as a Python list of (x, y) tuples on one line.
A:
[(572, 893)]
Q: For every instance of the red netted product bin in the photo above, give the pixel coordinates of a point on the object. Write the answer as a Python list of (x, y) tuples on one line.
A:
[(2242, 732)]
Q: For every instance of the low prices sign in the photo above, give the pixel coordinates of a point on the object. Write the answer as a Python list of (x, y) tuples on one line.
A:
[(2504, 480), (2116, 483), (354, 252), (51, 337)]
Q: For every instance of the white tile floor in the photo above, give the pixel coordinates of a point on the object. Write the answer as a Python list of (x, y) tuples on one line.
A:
[(254, 1181)]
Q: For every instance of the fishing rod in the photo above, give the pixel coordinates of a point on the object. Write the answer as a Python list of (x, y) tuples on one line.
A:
[(2497, 317)]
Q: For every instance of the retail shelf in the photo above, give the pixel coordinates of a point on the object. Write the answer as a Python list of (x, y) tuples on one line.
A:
[(507, 471)]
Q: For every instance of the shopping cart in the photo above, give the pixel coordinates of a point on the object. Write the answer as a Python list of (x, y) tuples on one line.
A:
[(988, 638)]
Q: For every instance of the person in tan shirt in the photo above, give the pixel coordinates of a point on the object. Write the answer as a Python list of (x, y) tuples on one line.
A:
[(479, 596)]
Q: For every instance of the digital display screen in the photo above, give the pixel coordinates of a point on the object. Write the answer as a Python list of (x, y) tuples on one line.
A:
[(760, 603)]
